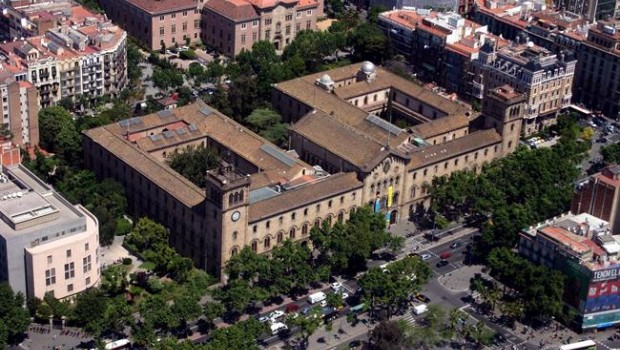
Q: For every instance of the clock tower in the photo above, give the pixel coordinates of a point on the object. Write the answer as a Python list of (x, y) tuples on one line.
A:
[(227, 201)]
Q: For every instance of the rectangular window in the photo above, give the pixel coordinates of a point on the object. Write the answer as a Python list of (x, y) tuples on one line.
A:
[(173, 29), (196, 23), (184, 26), (267, 34), (254, 37), (68, 253), (69, 270), (267, 224), (174, 15), (288, 18), (86, 246), (70, 288), (308, 24), (243, 38), (297, 27), (161, 18), (288, 30), (299, 14), (254, 23), (87, 264), (87, 280), (244, 25), (184, 13), (293, 216), (50, 277), (161, 31), (268, 22), (309, 13), (49, 259)]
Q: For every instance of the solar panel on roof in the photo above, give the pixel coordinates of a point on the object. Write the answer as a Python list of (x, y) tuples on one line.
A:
[(262, 193), (205, 110), (168, 134), (155, 137), (164, 113), (131, 121), (181, 131), (384, 124), (276, 153), (192, 127)]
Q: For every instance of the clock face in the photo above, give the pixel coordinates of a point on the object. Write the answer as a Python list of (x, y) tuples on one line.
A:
[(235, 216)]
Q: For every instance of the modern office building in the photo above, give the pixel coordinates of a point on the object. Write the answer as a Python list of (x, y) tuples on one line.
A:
[(157, 24), (544, 77), (47, 245), (583, 249), (234, 25), (598, 195)]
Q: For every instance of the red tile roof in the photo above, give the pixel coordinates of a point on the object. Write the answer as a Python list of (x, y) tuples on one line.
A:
[(162, 6), (233, 9)]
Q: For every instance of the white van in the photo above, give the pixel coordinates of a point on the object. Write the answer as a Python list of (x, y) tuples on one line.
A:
[(316, 297), (278, 327), (419, 309)]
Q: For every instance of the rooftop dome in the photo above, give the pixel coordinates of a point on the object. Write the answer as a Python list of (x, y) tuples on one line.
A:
[(326, 80), (368, 67)]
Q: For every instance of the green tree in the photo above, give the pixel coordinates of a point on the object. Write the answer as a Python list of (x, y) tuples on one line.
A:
[(59, 135), (388, 335), (157, 312), (308, 325), (432, 331), (90, 311), (166, 79), (212, 311), (185, 308), (611, 154), (370, 43), (193, 162), (267, 123), (14, 319)]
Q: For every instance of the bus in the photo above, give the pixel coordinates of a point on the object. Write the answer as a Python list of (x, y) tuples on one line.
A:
[(582, 345)]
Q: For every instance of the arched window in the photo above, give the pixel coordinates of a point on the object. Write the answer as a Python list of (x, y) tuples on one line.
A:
[(234, 251), (254, 246), (291, 233), (234, 236), (241, 196), (395, 199), (372, 188), (236, 197), (329, 220), (280, 237), (231, 199), (340, 217), (267, 242), (317, 223), (413, 192), (304, 229)]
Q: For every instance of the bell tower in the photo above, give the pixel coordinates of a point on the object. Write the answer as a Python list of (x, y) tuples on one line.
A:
[(226, 206), (503, 109)]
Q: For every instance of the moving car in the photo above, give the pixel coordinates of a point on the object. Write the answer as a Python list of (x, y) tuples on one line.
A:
[(442, 263), (276, 314)]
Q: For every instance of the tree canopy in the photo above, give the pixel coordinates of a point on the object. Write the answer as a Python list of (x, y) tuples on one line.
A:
[(267, 123), (14, 318), (59, 135), (193, 162)]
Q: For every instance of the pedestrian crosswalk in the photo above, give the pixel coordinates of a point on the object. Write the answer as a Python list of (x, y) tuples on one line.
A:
[(408, 317), (348, 287)]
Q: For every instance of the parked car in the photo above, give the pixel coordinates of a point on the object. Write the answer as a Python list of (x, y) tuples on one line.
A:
[(425, 256), (455, 245), (276, 314), (263, 319), (336, 286), (423, 298), (344, 296), (290, 308), (445, 255)]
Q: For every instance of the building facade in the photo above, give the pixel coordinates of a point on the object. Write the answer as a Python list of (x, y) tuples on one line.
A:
[(598, 195), (259, 196), (395, 164), (235, 25), (597, 82), (582, 248), (19, 102), (157, 24), (545, 78), (47, 245)]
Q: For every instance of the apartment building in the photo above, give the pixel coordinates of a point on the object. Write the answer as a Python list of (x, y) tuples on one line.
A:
[(157, 24), (235, 25), (599, 195), (441, 47), (545, 78), (583, 250), (81, 64), (47, 245), (19, 103), (597, 80)]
